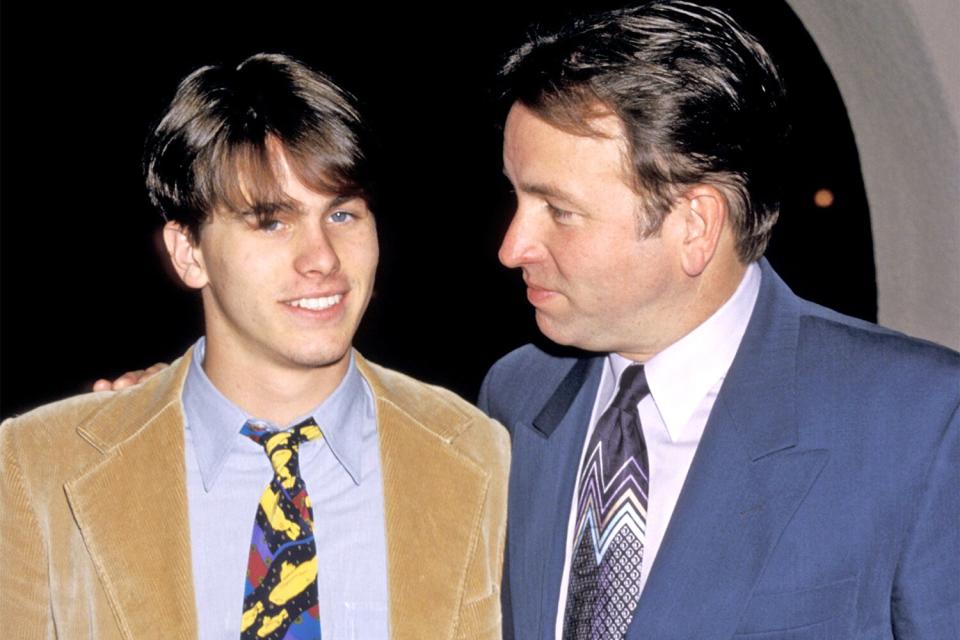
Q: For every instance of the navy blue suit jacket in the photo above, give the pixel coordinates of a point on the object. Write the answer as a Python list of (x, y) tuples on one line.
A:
[(823, 500)]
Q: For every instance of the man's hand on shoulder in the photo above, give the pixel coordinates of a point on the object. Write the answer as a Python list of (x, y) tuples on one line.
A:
[(130, 378)]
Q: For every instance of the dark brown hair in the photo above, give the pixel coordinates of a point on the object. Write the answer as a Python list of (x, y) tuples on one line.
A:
[(699, 99), (220, 141)]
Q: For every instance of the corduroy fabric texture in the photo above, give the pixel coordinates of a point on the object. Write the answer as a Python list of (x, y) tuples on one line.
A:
[(93, 513)]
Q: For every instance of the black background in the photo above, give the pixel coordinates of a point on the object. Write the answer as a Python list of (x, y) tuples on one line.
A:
[(85, 292)]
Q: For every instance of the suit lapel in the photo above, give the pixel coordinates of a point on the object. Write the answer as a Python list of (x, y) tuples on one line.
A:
[(131, 508), (433, 498), (540, 496), (746, 481)]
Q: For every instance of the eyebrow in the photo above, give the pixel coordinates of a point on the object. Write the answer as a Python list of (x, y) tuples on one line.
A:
[(339, 200), (550, 191), (292, 206)]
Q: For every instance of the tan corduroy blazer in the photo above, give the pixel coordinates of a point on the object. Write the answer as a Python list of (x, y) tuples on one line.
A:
[(94, 539)]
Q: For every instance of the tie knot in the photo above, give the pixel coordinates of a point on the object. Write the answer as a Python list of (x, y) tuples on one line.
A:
[(281, 447), (633, 387)]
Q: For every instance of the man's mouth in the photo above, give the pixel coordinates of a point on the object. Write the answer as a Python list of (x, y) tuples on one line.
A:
[(536, 295), (316, 304)]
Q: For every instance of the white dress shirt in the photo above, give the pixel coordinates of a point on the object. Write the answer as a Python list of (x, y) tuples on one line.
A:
[(684, 381)]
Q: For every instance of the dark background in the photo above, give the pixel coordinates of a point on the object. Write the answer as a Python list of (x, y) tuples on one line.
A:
[(83, 288)]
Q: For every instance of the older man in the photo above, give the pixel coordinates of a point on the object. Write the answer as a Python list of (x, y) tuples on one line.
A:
[(722, 459)]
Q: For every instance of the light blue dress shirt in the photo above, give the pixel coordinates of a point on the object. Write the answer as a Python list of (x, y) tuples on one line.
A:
[(226, 474)]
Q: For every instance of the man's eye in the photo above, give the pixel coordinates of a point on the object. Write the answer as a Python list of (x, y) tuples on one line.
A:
[(341, 216), (270, 225), (559, 214)]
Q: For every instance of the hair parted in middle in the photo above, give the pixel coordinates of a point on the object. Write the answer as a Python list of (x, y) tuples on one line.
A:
[(220, 142), (699, 99)]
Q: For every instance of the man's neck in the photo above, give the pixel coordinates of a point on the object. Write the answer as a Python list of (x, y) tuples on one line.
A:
[(707, 294), (268, 390)]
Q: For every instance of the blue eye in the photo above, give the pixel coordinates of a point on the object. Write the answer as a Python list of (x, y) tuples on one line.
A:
[(270, 225), (341, 216)]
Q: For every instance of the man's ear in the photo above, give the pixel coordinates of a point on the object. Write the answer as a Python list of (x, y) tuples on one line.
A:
[(703, 210), (185, 255)]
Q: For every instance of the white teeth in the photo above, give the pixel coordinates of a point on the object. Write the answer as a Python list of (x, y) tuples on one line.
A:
[(317, 304)]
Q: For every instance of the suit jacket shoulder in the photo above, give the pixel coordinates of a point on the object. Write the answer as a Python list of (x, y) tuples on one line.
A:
[(826, 330), (43, 446), (54, 442), (522, 382), (844, 361), (444, 415)]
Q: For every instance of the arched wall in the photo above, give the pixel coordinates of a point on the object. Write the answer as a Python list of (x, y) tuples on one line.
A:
[(894, 62)]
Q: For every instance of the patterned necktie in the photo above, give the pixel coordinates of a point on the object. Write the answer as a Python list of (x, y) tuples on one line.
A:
[(611, 520), (280, 598)]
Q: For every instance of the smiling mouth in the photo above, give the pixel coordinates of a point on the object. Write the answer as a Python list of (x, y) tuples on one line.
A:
[(316, 304)]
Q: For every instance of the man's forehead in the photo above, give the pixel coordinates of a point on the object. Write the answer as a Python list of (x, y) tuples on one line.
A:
[(537, 153), (589, 118), (527, 130), (271, 178), (279, 185)]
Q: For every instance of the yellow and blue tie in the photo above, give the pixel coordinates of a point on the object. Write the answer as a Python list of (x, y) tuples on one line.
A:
[(280, 597)]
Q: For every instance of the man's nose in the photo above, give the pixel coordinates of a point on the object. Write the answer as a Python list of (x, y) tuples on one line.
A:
[(316, 254), (521, 244)]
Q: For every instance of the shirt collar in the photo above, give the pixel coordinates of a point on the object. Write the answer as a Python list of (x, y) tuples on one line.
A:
[(215, 421), (681, 375)]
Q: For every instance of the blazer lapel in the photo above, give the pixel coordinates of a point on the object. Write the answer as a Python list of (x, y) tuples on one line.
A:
[(746, 481), (540, 495), (433, 497), (131, 508)]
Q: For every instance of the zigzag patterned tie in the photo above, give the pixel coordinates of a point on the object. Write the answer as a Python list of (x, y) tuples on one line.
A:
[(611, 520), (280, 598)]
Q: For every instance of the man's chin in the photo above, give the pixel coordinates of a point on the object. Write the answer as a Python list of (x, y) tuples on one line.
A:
[(320, 359), (556, 331), (571, 337)]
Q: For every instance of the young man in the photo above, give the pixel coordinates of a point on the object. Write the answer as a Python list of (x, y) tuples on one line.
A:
[(271, 483), (722, 458)]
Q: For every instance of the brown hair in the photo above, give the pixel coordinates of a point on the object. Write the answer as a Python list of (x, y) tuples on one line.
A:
[(220, 143), (699, 99)]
